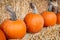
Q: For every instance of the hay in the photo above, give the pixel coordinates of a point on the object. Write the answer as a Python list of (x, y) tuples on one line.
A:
[(21, 7), (47, 33)]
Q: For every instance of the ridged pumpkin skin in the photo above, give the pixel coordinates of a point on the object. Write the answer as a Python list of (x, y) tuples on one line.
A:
[(58, 18), (14, 29), (34, 22), (50, 18), (2, 36)]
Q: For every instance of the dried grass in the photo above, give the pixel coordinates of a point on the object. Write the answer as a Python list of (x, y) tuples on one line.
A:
[(47, 33), (21, 7)]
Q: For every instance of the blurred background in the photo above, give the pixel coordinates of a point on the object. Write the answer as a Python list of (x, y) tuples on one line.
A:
[(22, 7)]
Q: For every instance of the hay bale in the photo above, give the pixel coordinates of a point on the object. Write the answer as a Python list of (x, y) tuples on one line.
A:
[(21, 7)]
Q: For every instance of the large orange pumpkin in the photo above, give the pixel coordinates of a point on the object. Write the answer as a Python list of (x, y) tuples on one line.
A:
[(2, 36), (49, 18), (58, 18), (14, 28), (34, 21)]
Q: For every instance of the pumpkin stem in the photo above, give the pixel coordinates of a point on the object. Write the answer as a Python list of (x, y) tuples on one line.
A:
[(49, 6), (53, 6), (34, 8), (12, 13)]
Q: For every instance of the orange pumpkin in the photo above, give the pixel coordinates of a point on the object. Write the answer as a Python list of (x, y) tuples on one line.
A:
[(49, 18), (58, 18), (2, 36), (14, 39), (33, 21), (14, 28)]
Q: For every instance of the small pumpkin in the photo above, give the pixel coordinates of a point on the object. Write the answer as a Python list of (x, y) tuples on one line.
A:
[(58, 18), (2, 35), (50, 17), (13, 28), (33, 20)]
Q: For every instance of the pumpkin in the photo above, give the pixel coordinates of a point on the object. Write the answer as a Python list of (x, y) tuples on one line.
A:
[(58, 18), (34, 21), (13, 28), (49, 16), (14, 39), (2, 35)]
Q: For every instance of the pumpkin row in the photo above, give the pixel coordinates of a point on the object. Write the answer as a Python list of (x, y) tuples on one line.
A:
[(32, 23)]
